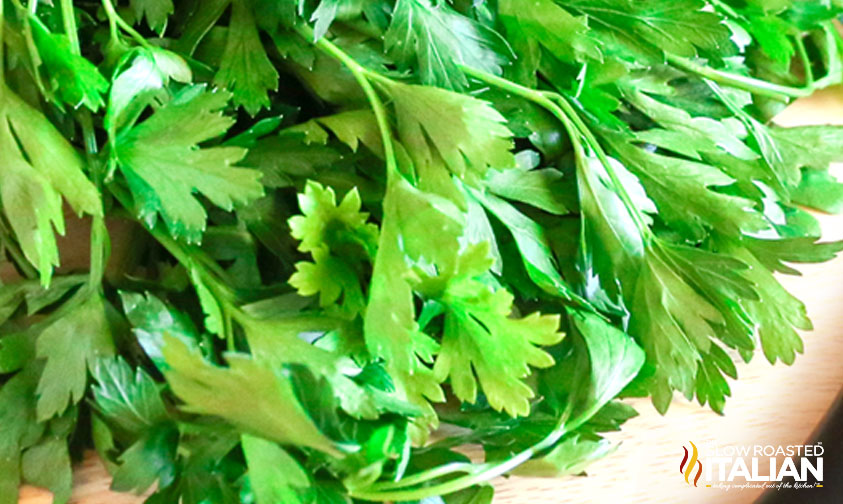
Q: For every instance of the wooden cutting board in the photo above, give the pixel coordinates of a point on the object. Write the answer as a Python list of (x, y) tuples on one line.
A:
[(777, 405)]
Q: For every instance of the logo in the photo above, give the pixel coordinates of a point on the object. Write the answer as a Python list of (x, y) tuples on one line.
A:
[(753, 466), (686, 467)]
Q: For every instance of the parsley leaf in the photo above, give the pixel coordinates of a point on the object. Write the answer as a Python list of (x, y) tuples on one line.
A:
[(131, 400), (74, 79), (437, 40), (163, 172), (681, 27), (39, 168), (245, 69), (273, 473), (156, 12), (71, 345), (382, 215), (272, 412), (439, 127), (478, 317)]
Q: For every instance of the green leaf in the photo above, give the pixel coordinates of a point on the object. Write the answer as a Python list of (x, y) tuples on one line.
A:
[(774, 253), (148, 460), (772, 34), (547, 24), (339, 239), (688, 135), (824, 143), (74, 79), (215, 321), (151, 319), (285, 158), (280, 340), (20, 429), (478, 494), (16, 350), (47, 465), (477, 318), (245, 69), (615, 360), (71, 345), (330, 277), (776, 313), (38, 168), (271, 410), (156, 12), (532, 243), (682, 193), (328, 225), (355, 127), (819, 190), (129, 399), (164, 166), (147, 72), (436, 40), (539, 188), (680, 27), (711, 385), (389, 324), (463, 133), (673, 323), (273, 474), (323, 16)]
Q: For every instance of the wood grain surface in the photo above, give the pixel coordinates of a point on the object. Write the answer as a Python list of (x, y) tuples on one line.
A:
[(776, 405)]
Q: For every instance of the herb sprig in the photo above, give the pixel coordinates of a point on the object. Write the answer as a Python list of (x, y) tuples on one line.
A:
[(319, 230)]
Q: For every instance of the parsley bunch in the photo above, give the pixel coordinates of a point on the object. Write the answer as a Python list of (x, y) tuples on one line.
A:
[(320, 230)]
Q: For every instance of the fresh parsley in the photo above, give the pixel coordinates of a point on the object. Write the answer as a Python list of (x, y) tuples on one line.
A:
[(306, 234)]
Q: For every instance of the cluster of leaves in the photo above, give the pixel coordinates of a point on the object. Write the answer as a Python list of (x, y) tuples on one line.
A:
[(321, 229)]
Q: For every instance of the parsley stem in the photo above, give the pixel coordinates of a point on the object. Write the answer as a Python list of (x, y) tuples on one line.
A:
[(397, 491), (594, 143), (483, 472), (362, 76), (750, 84), (559, 107), (725, 9), (424, 476), (100, 243), (68, 17), (115, 19), (806, 61)]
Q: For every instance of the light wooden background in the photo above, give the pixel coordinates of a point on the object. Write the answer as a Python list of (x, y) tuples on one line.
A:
[(769, 404)]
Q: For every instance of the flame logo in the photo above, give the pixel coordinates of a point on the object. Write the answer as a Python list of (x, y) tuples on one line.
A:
[(687, 470)]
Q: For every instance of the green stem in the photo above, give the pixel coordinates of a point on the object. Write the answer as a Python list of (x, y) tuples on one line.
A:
[(559, 107), (485, 472), (68, 17), (397, 491), (424, 476), (750, 84), (725, 9), (100, 243), (362, 75), (594, 144), (806, 61), (114, 20)]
